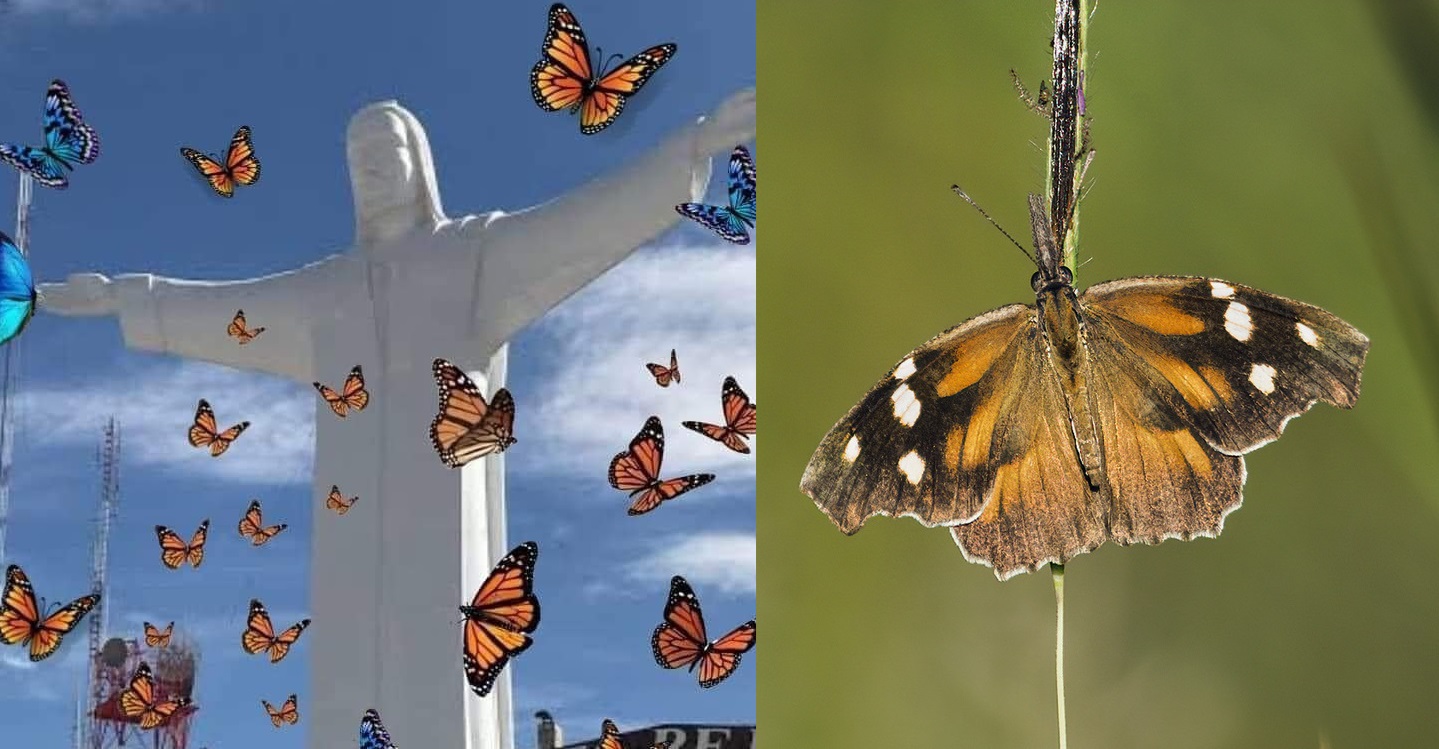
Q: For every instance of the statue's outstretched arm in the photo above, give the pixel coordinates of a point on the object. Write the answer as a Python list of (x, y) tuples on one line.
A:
[(533, 259), (189, 318)]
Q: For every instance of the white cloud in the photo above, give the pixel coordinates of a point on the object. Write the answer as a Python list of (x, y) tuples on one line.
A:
[(155, 407), (723, 561), (96, 10), (598, 393)]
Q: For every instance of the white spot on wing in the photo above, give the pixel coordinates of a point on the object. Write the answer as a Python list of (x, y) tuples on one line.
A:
[(1307, 334), (851, 450), (1261, 376), (912, 466), (1237, 322), (906, 406), (904, 370), (1221, 290)]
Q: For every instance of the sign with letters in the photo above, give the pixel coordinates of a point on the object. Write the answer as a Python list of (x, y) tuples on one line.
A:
[(682, 736)]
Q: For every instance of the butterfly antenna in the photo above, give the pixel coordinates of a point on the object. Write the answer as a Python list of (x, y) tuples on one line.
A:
[(961, 193)]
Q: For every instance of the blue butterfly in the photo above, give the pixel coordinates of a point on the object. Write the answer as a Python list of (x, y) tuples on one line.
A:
[(729, 221), (17, 290), (372, 732), (68, 142)]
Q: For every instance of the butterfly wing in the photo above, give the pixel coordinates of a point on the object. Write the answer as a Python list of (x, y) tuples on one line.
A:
[(465, 429), (372, 732), (67, 136), (562, 76), (354, 394), (499, 617), (722, 656), (17, 290), (53, 629), (336, 501), (138, 700), (332, 399), (240, 161), (742, 185), (604, 102), (259, 630), (249, 525), (666, 490), (721, 220), (680, 640), (173, 549), (638, 467), (19, 611), (204, 430), (282, 643), (41, 167), (196, 553), (236, 328), (661, 373), (739, 412), (610, 735), (674, 366), (288, 713), (158, 638), (213, 171)]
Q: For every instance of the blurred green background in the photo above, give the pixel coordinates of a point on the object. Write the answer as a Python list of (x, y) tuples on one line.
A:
[(1290, 146)]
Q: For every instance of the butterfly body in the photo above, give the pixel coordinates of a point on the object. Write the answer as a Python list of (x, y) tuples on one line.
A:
[(1036, 433), (729, 221), (566, 78), (17, 290), (500, 618), (24, 622), (681, 641), (68, 141), (239, 167)]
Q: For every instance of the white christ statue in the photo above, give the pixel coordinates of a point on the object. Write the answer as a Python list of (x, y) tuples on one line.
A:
[(386, 578)]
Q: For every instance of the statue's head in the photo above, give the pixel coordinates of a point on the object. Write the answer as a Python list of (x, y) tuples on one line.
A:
[(391, 174)]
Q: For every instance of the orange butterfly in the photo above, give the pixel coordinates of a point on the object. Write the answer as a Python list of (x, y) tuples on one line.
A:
[(252, 526), (336, 501), (240, 167), (466, 427), (138, 700), (637, 471), (204, 432), (739, 416), (353, 396), (22, 621), (565, 78), (157, 638), (288, 713), (664, 375), (499, 618), (681, 640), (238, 330), (175, 552), (259, 634), (610, 737)]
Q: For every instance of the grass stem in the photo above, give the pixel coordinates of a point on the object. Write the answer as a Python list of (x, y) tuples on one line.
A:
[(1058, 572)]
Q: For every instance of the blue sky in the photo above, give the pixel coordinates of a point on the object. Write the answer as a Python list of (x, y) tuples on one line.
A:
[(153, 75)]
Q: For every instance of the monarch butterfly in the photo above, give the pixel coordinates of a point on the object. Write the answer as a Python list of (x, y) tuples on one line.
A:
[(681, 640), (288, 713), (729, 221), (259, 634), (500, 616), (204, 433), (372, 732), (158, 638), (174, 552), (68, 141), (665, 375), (610, 737), (22, 620), (336, 501), (565, 77), (466, 427), (252, 526), (138, 700), (240, 167), (637, 471), (237, 329), (353, 396), (17, 290), (739, 417)]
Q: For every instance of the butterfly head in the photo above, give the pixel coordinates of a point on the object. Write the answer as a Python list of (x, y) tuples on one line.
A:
[(1044, 283)]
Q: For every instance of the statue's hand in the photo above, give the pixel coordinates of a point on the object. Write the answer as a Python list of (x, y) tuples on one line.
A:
[(730, 125), (82, 294)]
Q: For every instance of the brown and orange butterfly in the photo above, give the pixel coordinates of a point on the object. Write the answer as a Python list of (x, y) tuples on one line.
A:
[(500, 617), (682, 641), (565, 77), (288, 712), (466, 427), (259, 635), (240, 166), (238, 331), (610, 737), (739, 417), (23, 622), (336, 501), (174, 552), (352, 396), (252, 526), (665, 375), (139, 700), (158, 638), (637, 471), (205, 433)]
